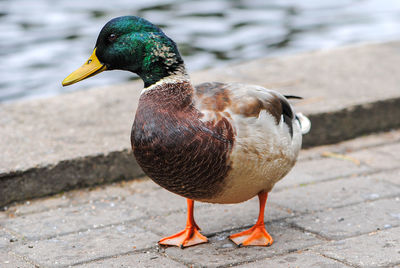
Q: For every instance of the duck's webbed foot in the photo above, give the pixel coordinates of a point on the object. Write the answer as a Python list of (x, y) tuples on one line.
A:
[(256, 235), (188, 237)]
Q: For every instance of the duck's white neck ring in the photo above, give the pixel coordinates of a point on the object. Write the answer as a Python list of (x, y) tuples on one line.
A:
[(174, 78)]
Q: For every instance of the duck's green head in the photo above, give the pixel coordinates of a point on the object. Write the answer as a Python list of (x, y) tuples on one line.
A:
[(133, 44)]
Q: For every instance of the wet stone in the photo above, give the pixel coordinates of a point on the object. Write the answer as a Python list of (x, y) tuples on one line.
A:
[(213, 218), (379, 249), (221, 251), (87, 246), (71, 219), (148, 259), (296, 260), (352, 220), (331, 194)]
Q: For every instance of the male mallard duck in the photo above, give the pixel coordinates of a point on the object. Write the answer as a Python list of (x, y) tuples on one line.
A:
[(217, 142)]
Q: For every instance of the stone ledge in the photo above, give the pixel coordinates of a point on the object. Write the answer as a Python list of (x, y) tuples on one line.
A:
[(82, 138)]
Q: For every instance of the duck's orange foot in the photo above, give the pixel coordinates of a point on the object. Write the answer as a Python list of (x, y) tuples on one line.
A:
[(186, 238), (255, 236)]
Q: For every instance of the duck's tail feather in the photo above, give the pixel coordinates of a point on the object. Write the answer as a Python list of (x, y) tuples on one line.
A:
[(293, 97), (305, 123)]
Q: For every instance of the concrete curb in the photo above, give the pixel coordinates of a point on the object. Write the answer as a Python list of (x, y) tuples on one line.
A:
[(353, 121), (68, 174), (89, 141)]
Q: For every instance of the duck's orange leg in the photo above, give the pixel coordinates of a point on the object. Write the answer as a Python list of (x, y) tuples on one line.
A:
[(256, 235), (188, 237)]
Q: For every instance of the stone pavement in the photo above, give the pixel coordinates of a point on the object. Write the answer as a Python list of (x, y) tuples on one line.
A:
[(339, 207)]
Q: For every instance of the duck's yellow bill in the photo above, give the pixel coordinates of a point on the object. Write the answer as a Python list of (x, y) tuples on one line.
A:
[(91, 67)]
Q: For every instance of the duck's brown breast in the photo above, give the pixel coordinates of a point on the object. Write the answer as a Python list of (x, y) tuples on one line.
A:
[(176, 149)]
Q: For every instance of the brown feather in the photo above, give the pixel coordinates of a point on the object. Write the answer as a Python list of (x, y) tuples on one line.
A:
[(175, 148)]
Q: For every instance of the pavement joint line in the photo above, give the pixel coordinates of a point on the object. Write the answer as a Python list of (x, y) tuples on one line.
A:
[(391, 183), (143, 250), (372, 171), (272, 257), (312, 249), (319, 156), (161, 252), (13, 233), (34, 239), (337, 260), (303, 230), (295, 226), (28, 260), (23, 258), (344, 206), (311, 212)]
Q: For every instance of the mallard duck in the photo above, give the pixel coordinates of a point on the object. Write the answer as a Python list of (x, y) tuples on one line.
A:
[(216, 142)]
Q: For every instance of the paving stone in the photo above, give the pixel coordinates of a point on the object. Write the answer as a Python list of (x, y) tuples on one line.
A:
[(382, 157), (160, 202), (353, 220), (332, 194), (3, 215), (10, 260), (221, 251), (65, 220), (6, 239), (87, 246), (39, 205), (349, 146), (377, 249), (212, 218), (115, 191), (321, 169), (296, 260), (390, 149), (392, 176), (143, 260)]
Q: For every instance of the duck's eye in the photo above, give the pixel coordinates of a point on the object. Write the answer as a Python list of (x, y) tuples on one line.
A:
[(112, 37)]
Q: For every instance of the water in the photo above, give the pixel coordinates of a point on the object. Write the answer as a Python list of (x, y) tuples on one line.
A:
[(42, 41)]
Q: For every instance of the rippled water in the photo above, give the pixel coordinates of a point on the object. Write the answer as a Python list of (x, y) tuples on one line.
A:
[(42, 41)]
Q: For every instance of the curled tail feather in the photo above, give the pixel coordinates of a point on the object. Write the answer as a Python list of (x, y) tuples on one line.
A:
[(305, 123)]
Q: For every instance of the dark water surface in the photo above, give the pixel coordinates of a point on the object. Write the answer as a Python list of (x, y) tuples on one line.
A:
[(42, 41)]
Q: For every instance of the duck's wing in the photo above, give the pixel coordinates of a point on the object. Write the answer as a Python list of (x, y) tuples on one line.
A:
[(227, 99)]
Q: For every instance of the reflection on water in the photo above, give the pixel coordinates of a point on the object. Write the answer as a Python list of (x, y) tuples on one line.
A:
[(42, 41)]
